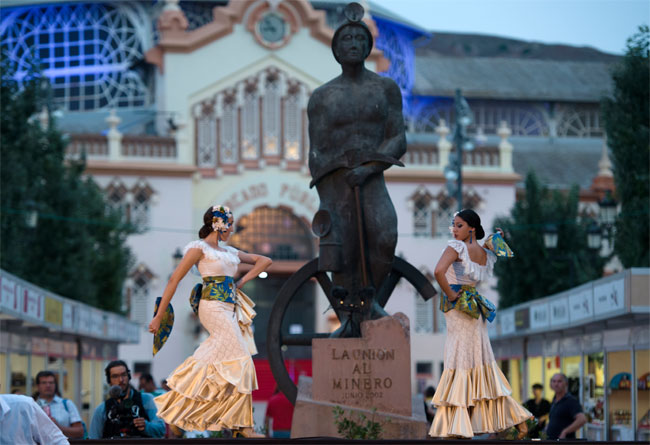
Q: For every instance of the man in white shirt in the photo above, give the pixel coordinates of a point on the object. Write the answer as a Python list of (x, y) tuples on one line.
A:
[(62, 412), (23, 422)]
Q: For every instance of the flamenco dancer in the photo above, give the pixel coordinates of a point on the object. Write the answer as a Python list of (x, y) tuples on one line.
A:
[(212, 389), (473, 396)]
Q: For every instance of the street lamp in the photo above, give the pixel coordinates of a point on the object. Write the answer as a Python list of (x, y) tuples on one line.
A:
[(550, 236), (550, 242), (607, 211), (594, 236), (31, 215), (453, 171)]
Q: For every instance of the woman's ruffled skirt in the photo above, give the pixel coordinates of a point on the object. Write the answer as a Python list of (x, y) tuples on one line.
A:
[(212, 389), (475, 401), (473, 396)]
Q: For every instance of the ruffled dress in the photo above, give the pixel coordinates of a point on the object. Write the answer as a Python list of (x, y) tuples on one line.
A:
[(473, 396), (212, 389)]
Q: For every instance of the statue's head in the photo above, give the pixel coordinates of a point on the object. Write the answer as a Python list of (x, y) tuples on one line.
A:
[(352, 41)]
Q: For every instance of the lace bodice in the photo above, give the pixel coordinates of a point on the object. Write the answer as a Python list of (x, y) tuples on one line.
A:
[(215, 262), (467, 271)]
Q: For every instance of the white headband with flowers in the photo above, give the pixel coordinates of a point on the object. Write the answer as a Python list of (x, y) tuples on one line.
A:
[(221, 218)]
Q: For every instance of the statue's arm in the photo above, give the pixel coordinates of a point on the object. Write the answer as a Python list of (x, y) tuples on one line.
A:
[(317, 134), (394, 144)]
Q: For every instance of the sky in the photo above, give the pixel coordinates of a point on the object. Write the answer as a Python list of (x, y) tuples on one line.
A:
[(602, 24)]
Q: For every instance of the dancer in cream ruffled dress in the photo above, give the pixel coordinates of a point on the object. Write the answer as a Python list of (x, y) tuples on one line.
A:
[(212, 389), (473, 396)]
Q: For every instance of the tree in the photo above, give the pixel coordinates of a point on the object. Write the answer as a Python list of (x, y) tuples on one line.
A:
[(78, 248), (626, 116), (536, 271)]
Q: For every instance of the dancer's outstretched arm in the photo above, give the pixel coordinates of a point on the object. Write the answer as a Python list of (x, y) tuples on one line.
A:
[(447, 258), (260, 264), (191, 258)]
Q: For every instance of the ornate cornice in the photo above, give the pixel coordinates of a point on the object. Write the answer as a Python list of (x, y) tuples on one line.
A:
[(174, 37)]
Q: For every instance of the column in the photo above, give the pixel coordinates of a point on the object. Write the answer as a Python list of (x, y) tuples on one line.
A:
[(444, 146), (114, 137), (505, 148)]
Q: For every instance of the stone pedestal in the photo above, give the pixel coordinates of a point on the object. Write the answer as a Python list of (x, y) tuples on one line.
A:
[(361, 375)]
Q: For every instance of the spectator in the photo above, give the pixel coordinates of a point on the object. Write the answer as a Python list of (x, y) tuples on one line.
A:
[(429, 409), (540, 408), (148, 386), (62, 412), (164, 385), (565, 416), (127, 412), (23, 422), (279, 415)]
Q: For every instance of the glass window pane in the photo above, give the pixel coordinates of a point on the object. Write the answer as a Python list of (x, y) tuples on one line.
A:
[(643, 394), (594, 395), (619, 364)]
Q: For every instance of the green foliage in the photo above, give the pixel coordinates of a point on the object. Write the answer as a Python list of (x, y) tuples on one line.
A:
[(512, 432), (78, 248), (359, 428), (626, 116), (535, 271)]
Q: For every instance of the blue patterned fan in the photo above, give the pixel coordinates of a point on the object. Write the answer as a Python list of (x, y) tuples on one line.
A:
[(166, 325), (195, 297), (497, 244)]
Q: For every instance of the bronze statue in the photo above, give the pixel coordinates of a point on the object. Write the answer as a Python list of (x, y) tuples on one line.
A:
[(356, 131)]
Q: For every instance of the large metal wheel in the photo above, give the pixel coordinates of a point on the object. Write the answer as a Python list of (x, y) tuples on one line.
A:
[(275, 338)]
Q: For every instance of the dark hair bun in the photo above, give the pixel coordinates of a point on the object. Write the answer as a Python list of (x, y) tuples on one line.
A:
[(480, 233), (205, 231)]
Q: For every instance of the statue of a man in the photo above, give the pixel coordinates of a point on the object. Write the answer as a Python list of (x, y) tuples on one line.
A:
[(356, 131)]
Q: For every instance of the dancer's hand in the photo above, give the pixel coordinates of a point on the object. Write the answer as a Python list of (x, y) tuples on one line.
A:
[(457, 296), (500, 232), (154, 325)]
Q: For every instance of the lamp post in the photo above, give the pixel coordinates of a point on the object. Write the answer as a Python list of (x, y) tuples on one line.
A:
[(454, 170), (551, 238), (31, 214), (607, 211), (594, 236)]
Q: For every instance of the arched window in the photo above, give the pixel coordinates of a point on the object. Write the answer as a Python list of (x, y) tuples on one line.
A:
[(116, 197), (424, 309), (274, 232), (138, 293), (261, 120), (445, 208), (421, 202), (87, 50), (142, 195)]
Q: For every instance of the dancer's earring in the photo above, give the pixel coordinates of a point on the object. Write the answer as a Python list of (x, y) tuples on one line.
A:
[(471, 232)]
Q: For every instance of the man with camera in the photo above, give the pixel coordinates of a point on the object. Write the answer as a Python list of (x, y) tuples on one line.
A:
[(127, 412)]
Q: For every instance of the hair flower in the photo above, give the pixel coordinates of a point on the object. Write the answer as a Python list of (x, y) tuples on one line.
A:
[(221, 216)]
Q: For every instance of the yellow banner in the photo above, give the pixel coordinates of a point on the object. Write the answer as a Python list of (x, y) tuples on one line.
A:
[(53, 311)]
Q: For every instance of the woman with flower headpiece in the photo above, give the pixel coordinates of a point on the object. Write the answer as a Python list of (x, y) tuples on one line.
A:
[(473, 395), (212, 389)]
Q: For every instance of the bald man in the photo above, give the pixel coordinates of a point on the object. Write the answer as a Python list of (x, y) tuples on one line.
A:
[(566, 416)]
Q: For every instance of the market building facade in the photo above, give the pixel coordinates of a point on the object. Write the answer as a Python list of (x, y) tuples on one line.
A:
[(181, 105)]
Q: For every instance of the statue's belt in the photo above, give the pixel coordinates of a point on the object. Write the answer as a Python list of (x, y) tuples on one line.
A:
[(352, 159)]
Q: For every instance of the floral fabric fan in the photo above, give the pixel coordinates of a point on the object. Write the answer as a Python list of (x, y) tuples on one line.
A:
[(166, 325), (497, 244)]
